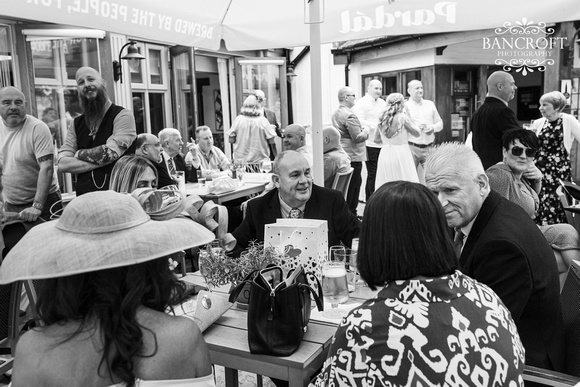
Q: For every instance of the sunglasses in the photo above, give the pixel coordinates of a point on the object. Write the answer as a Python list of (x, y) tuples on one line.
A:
[(517, 151)]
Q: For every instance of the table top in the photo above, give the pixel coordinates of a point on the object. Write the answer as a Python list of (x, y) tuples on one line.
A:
[(254, 185), (227, 340)]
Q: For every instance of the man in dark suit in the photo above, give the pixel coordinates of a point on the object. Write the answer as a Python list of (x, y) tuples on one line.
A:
[(171, 158), (494, 118), (296, 196), (502, 248)]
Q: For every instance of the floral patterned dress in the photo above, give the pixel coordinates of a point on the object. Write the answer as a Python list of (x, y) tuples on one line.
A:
[(450, 330), (554, 162)]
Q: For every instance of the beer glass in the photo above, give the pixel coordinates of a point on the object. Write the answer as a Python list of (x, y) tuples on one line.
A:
[(334, 287), (333, 250), (348, 256)]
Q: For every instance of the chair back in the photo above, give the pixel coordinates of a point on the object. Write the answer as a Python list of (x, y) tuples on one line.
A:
[(571, 189), (342, 181), (570, 300)]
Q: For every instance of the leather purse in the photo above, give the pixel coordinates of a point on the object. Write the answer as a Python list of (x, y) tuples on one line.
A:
[(278, 309)]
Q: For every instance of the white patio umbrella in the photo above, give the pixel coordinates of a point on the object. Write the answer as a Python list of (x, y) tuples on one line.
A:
[(261, 24)]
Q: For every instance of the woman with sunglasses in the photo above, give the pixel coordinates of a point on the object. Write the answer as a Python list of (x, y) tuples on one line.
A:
[(517, 179), (556, 131)]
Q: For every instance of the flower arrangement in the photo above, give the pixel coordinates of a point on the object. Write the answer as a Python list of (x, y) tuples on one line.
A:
[(219, 269)]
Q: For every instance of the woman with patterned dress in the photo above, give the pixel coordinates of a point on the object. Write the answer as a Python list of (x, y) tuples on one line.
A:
[(395, 159), (556, 131), (429, 325), (517, 179)]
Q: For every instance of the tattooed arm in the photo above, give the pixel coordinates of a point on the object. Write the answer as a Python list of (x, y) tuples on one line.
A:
[(43, 184)]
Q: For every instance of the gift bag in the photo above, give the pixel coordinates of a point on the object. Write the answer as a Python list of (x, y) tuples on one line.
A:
[(303, 242)]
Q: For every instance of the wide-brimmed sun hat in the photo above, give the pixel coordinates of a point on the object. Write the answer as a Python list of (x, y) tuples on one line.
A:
[(97, 231)]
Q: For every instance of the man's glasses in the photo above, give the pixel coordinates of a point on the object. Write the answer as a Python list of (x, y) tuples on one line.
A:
[(517, 151), (351, 95)]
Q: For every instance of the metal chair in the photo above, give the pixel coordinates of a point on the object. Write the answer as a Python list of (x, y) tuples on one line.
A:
[(342, 181), (569, 298), (9, 322)]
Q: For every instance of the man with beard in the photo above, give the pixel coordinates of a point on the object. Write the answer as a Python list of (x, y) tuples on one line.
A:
[(96, 139)]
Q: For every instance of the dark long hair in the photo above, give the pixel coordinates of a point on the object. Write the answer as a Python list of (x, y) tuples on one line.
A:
[(110, 298), (404, 234)]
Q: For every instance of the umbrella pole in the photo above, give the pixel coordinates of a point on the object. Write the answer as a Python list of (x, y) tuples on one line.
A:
[(316, 91)]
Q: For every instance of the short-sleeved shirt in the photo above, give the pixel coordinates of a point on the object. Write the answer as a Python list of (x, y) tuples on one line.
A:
[(252, 135), (20, 150)]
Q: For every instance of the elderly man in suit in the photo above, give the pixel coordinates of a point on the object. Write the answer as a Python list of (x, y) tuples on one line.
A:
[(499, 245), (295, 196), (494, 118)]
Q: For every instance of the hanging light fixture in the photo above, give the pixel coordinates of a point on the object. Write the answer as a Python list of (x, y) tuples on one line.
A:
[(133, 56)]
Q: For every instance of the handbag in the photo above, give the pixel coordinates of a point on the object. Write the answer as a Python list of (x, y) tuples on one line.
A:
[(278, 309)]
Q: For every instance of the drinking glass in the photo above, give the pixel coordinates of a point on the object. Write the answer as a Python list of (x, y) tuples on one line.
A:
[(200, 178), (333, 250), (334, 288), (348, 256), (266, 166)]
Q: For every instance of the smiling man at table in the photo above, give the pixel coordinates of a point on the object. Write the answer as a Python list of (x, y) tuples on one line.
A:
[(295, 196)]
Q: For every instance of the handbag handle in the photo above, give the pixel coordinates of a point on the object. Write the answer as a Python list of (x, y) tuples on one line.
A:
[(317, 299), (238, 289)]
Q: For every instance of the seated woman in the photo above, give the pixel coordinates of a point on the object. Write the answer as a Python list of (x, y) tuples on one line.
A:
[(106, 286), (429, 324), (132, 172), (517, 179)]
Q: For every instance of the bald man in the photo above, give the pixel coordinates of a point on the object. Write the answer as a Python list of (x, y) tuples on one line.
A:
[(368, 110), (352, 139), (29, 185), (96, 139), (148, 146), (295, 139), (494, 118), (335, 158)]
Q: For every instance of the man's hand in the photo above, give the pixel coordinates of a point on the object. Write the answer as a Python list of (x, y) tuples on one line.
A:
[(30, 214)]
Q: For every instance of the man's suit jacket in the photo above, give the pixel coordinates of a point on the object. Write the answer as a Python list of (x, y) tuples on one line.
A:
[(271, 117), (507, 251), (325, 204), (163, 177), (488, 124)]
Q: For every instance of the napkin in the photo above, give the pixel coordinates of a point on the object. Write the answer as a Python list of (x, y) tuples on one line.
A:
[(222, 185), (206, 313)]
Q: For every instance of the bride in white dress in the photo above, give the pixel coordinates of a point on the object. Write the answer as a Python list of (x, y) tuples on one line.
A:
[(395, 160)]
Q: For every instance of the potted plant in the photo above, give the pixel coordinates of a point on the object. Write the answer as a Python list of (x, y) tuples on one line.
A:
[(220, 269)]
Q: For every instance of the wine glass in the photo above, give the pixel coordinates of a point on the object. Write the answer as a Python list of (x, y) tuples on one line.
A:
[(266, 166), (334, 288)]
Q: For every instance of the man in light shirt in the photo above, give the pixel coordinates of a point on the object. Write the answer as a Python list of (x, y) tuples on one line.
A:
[(425, 115), (204, 154), (295, 139), (368, 110)]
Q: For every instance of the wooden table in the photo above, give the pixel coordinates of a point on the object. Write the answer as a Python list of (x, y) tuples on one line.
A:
[(242, 191), (227, 340)]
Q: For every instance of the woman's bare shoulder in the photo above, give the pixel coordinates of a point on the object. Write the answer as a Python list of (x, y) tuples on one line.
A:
[(177, 341)]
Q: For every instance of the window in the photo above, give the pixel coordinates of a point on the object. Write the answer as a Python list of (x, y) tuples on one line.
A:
[(150, 89), (55, 63), (6, 58)]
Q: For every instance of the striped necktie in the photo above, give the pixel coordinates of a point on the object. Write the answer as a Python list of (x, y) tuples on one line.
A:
[(171, 165)]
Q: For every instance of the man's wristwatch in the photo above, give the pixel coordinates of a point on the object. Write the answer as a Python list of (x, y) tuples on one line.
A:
[(38, 205)]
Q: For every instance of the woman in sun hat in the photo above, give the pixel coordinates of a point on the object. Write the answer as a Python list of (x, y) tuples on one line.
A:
[(105, 287)]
